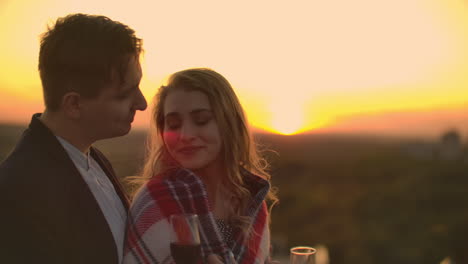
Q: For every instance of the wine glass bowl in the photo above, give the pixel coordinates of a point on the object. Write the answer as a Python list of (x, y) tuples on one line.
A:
[(185, 239), (302, 255)]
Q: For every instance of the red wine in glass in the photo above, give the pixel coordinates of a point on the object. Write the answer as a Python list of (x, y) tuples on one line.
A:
[(186, 254), (185, 239)]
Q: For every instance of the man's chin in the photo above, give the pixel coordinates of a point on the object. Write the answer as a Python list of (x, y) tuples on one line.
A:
[(125, 131), (117, 133)]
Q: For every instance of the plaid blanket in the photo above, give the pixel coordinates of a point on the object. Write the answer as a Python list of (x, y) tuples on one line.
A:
[(181, 191)]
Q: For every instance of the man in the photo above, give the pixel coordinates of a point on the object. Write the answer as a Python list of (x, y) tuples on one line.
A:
[(60, 199)]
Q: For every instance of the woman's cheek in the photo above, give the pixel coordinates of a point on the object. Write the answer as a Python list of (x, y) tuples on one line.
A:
[(170, 138)]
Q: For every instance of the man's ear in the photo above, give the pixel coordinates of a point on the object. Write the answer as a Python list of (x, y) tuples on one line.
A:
[(71, 105)]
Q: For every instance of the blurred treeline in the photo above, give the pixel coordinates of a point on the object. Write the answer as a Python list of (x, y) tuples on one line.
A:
[(368, 199)]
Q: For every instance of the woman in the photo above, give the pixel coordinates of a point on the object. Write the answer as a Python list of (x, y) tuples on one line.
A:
[(201, 160)]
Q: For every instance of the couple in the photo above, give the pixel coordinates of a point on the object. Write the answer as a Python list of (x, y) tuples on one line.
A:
[(61, 201)]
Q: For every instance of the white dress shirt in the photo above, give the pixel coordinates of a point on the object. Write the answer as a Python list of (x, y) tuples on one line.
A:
[(103, 191)]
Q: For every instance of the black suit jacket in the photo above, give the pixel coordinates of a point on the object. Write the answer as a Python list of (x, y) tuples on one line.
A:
[(48, 213)]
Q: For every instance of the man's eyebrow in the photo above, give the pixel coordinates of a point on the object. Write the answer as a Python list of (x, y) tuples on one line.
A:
[(127, 88), (129, 85)]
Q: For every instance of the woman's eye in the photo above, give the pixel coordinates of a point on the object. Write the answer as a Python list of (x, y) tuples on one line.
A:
[(172, 124), (202, 120)]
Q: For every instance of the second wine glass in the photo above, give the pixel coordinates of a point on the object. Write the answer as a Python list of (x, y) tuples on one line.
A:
[(302, 255)]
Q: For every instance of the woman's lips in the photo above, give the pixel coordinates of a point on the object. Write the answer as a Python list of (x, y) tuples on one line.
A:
[(189, 150)]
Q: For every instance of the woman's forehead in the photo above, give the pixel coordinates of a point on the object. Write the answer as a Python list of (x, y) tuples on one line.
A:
[(182, 101)]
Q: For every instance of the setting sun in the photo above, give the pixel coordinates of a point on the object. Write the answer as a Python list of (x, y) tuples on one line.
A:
[(288, 121)]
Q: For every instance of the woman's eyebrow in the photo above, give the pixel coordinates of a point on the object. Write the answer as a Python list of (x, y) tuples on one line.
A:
[(199, 110), (171, 114), (194, 111)]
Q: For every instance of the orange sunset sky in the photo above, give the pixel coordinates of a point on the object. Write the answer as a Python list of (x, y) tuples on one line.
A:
[(296, 65)]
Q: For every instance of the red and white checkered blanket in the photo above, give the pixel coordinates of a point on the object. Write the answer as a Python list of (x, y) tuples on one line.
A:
[(182, 192)]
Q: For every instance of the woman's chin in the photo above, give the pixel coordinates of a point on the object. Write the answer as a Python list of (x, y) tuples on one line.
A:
[(193, 166)]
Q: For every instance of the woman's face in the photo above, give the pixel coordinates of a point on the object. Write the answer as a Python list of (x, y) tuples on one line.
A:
[(191, 134)]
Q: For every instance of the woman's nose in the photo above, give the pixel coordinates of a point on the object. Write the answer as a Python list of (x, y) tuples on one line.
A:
[(187, 132)]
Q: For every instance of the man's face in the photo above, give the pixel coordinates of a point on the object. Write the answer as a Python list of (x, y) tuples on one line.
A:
[(111, 113)]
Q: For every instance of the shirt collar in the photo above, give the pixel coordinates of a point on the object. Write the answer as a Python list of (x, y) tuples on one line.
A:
[(80, 159)]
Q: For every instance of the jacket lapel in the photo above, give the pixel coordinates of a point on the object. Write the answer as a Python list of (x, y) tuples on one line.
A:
[(107, 168)]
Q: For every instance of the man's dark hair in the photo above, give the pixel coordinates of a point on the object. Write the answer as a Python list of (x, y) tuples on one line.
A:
[(80, 52)]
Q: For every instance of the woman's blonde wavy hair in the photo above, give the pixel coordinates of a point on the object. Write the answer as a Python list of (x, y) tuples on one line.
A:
[(238, 147)]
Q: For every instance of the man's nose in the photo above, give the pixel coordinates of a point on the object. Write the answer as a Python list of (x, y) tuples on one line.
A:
[(140, 101)]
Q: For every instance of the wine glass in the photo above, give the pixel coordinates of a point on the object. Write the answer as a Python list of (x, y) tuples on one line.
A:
[(185, 239), (302, 255)]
